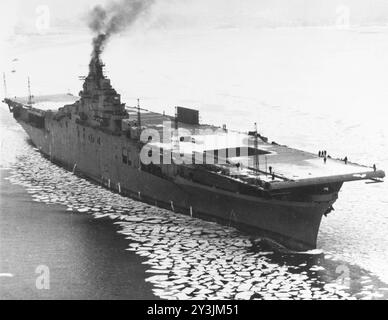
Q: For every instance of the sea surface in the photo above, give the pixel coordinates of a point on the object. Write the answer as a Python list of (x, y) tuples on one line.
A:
[(309, 88)]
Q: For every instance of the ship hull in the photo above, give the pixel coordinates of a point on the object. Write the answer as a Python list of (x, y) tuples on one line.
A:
[(292, 224)]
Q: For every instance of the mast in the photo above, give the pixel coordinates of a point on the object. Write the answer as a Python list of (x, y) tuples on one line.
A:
[(176, 118), (29, 93), (138, 117), (176, 135), (5, 86), (256, 158)]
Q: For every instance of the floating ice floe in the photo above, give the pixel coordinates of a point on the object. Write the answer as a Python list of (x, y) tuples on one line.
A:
[(186, 258), (6, 275), (317, 268)]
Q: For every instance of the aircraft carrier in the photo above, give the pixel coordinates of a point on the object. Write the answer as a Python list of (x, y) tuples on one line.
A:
[(239, 179)]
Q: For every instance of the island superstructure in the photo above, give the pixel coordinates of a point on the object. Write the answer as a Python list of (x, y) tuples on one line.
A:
[(236, 178)]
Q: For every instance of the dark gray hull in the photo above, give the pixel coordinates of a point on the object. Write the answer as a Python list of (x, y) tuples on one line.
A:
[(293, 224)]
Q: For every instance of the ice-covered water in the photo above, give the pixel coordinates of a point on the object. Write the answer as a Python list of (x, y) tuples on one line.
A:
[(191, 258), (310, 88)]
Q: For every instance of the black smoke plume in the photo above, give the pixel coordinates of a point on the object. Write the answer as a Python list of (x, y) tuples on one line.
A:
[(113, 18)]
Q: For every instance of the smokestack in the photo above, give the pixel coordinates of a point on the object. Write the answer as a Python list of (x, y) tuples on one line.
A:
[(112, 19)]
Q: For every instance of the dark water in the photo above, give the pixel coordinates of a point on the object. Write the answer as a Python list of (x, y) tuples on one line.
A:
[(86, 257)]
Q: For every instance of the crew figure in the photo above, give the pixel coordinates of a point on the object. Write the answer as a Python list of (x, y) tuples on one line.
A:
[(273, 175), (374, 167), (270, 169), (346, 160), (319, 153), (324, 159)]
